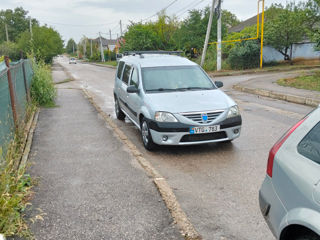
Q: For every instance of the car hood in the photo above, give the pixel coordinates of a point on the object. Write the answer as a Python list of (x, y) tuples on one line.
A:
[(189, 101)]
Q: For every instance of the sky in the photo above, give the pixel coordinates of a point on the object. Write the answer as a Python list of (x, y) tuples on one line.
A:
[(76, 18)]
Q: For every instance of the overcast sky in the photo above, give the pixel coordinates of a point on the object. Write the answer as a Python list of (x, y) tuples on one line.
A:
[(75, 18)]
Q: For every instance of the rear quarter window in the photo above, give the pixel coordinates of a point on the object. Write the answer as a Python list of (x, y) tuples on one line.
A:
[(120, 68), (126, 74), (309, 147)]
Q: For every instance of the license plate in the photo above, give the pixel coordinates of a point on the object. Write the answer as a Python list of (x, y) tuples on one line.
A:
[(204, 129)]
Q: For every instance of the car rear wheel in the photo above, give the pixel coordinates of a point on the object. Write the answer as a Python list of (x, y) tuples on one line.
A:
[(146, 136), (120, 115)]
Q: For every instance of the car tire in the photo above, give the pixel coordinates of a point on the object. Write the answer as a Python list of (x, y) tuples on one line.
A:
[(120, 115), (309, 236), (146, 136)]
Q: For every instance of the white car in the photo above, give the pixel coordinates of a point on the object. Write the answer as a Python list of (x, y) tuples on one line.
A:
[(72, 60), (173, 101)]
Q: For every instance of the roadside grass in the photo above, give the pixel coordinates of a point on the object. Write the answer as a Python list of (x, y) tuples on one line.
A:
[(309, 81), (15, 189), (111, 63)]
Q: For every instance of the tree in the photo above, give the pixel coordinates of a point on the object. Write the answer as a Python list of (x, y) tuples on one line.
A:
[(245, 55), (285, 28), (141, 37), (71, 46), (10, 49), (46, 43), (17, 22), (192, 31), (229, 19)]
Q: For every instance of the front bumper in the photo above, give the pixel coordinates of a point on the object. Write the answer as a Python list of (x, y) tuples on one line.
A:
[(179, 133)]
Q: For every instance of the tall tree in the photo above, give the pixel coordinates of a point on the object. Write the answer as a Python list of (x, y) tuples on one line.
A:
[(17, 22), (285, 28), (46, 43), (71, 46)]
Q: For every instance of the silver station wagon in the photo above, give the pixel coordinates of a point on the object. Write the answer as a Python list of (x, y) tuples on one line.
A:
[(173, 101)]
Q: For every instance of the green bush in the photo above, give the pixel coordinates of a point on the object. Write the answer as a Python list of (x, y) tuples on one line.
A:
[(43, 91), (10, 49), (244, 55)]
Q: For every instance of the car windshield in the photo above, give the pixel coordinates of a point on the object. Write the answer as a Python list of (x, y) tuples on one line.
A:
[(179, 78)]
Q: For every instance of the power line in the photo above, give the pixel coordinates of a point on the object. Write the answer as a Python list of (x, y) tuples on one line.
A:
[(190, 6), (80, 25), (163, 9)]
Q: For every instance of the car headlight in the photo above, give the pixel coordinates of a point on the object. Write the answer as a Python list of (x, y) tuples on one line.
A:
[(164, 117), (233, 112)]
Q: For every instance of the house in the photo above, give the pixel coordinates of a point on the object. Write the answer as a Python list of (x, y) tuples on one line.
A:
[(304, 49), (107, 44)]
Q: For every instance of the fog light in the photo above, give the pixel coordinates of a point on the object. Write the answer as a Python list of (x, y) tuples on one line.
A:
[(164, 138), (235, 131)]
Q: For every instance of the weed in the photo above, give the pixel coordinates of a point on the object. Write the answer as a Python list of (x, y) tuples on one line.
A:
[(15, 190), (43, 91)]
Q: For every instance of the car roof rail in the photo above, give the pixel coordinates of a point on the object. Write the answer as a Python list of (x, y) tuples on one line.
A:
[(141, 53)]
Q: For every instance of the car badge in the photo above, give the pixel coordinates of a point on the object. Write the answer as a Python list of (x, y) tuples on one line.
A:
[(204, 117)]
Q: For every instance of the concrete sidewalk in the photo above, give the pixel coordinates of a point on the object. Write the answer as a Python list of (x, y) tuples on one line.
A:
[(266, 86), (90, 187)]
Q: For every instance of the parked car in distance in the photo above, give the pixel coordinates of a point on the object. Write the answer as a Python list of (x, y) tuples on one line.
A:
[(72, 60), (173, 101), (119, 56), (290, 194)]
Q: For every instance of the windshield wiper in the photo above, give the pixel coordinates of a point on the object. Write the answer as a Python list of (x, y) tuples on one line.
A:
[(160, 90), (193, 88)]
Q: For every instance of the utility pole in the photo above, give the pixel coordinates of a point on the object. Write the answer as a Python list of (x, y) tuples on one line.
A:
[(30, 26), (110, 33), (208, 34), (219, 37), (120, 28), (73, 48), (91, 47), (262, 29), (7, 35), (101, 50), (84, 47)]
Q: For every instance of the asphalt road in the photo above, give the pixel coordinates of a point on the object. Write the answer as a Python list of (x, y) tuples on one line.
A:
[(216, 184)]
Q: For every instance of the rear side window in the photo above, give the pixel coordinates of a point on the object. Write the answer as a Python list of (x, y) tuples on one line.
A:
[(120, 68), (126, 74), (310, 145)]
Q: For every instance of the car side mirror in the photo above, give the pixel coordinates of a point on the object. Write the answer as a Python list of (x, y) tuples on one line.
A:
[(132, 89), (218, 84)]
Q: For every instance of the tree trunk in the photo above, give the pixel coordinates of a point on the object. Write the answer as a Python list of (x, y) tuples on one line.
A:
[(291, 62)]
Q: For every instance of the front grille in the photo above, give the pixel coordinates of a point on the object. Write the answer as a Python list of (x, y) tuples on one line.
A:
[(203, 137), (197, 116)]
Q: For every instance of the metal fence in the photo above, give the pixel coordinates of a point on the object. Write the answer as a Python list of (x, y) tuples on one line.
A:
[(15, 83)]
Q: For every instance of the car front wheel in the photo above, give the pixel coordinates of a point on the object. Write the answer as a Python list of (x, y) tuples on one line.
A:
[(120, 115), (146, 136)]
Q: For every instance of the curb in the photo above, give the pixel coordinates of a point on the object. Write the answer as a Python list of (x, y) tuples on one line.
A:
[(67, 72), (100, 65), (186, 228), (271, 70), (28, 144), (277, 95)]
